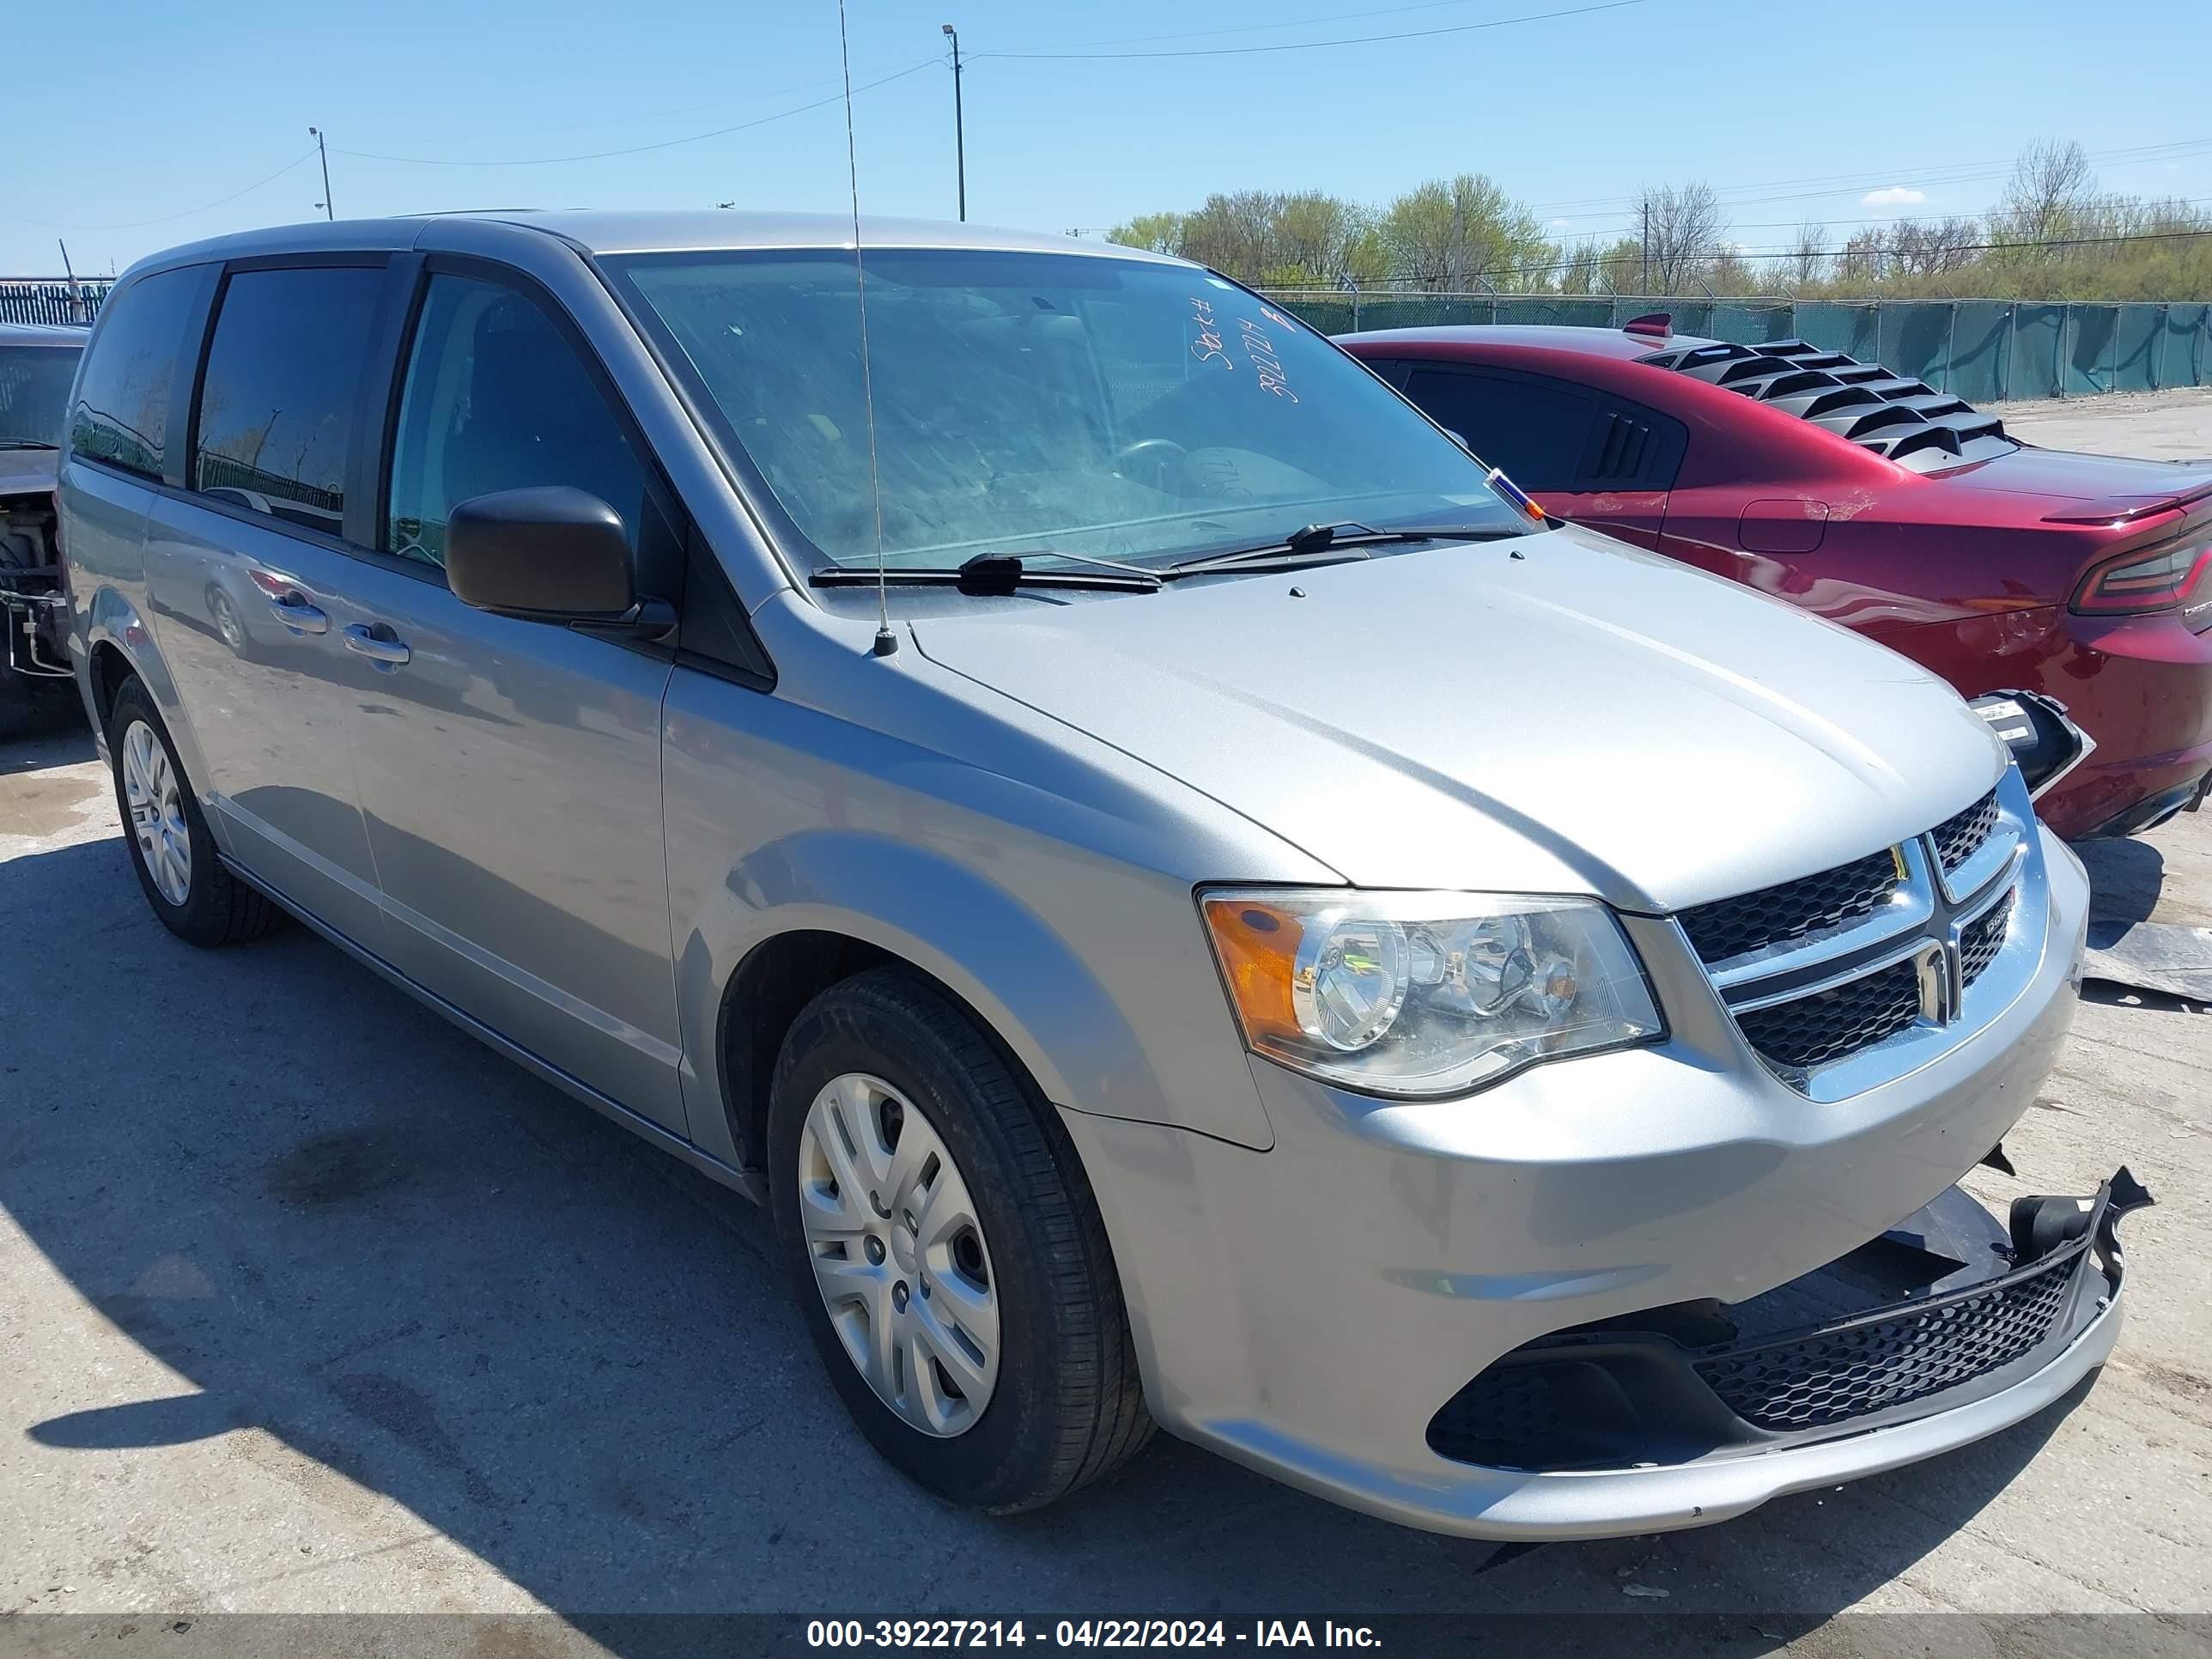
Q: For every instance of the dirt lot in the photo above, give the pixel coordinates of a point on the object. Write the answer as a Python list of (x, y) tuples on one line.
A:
[(309, 1302)]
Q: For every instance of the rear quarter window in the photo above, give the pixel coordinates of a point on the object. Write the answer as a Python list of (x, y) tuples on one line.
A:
[(121, 415), (1536, 433)]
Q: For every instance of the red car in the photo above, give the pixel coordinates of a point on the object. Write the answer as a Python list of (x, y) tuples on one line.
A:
[(1878, 502)]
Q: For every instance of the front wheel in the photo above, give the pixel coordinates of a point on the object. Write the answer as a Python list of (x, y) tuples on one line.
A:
[(946, 1250)]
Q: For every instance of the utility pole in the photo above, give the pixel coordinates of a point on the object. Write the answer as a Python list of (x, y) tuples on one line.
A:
[(326, 203), (959, 129), (76, 294), (1645, 244)]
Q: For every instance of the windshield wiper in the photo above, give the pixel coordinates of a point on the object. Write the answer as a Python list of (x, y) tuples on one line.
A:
[(995, 575), (26, 443), (1319, 542)]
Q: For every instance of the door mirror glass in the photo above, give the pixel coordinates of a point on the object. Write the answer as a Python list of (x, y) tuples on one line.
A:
[(551, 552)]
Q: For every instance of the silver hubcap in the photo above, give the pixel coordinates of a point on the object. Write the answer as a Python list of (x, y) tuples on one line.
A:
[(899, 1255), (157, 812)]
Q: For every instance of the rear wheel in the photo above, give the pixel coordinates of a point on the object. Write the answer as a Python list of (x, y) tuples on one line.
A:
[(170, 848), (946, 1250)]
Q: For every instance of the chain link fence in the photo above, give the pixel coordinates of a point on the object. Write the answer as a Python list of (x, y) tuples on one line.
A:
[(51, 299), (1983, 350)]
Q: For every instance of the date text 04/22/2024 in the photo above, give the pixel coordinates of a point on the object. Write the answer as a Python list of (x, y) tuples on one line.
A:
[(1085, 1633)]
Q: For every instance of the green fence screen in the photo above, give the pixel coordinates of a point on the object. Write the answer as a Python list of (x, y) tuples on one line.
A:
[(1983, 351)]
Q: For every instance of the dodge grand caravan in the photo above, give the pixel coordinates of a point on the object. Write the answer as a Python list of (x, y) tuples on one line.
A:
[(1189, 903)]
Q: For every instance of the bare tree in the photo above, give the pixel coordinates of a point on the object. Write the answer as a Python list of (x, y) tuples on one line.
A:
[(1579, 270), (1682, 227), (1808, 259), (2051, 194), (1932, 247)]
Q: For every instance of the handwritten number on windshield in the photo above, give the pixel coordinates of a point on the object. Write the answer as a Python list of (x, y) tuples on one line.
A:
[(1262, 351), (1210, 347), (1207, 347)]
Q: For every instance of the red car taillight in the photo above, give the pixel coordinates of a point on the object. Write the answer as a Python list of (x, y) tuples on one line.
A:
[(2171, 578)]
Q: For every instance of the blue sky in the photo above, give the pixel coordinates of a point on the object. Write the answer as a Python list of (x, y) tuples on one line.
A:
[(140, 111)]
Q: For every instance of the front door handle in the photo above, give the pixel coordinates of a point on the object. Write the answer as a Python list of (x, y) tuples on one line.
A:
[(296, 614), (370, 644)]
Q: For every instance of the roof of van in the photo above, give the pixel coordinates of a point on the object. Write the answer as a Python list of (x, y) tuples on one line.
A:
[(43, 334), (639, 232)]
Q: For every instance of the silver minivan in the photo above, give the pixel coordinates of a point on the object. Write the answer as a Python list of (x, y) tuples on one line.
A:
[(1190, 901)]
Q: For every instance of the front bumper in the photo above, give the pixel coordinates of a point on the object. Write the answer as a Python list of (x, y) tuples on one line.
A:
[(1308, 1311)]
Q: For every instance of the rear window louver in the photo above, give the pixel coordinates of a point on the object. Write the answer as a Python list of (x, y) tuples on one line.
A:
[(1906, 420), (1621, 445)]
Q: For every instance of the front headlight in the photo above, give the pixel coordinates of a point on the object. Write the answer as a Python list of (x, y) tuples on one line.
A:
[(1425, 993)]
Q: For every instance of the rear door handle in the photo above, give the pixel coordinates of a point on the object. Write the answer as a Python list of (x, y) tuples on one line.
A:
[(369, 644), (296, 614)]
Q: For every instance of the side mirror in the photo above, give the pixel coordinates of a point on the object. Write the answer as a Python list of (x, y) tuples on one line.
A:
[(549, 553)]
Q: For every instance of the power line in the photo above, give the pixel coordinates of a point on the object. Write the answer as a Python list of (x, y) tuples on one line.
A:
[(1261, 28), (637, 117), (170, 218), (1315, 45), (1950, 172), (638, 149)]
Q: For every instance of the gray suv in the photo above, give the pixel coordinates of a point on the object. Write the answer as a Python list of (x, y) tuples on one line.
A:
[(1189, 901)]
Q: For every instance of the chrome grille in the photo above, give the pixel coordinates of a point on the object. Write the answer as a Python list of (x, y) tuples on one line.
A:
[(1732, 927), (1830, 1024), (1844, 979), (1958, 837), (1981, 939)]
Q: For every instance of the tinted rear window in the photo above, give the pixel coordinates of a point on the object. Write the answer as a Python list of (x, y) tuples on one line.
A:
[(122, 410), (1536, 433), (276, 402)]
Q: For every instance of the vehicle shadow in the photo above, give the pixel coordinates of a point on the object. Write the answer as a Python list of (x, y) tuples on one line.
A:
[(63, 740), (2126, 878), (361, 1233)]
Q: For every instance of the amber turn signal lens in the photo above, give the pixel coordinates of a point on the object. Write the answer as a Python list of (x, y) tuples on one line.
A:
[(1258, 946)]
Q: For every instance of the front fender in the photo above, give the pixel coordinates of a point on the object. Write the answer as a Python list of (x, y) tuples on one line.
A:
[(1021, 971)]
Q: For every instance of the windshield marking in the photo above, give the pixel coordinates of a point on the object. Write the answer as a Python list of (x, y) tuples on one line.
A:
[(1260, 349), (1208, 347)]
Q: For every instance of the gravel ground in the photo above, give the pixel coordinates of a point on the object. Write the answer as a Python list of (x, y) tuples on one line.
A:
[(307, 1303)]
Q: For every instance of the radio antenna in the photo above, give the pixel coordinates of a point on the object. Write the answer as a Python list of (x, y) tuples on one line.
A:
[(886, 642)]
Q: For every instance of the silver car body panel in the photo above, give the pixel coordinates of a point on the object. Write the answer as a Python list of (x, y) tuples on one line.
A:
[(275, 773), (1558, 714), (1308, 1313), (1022, 801)]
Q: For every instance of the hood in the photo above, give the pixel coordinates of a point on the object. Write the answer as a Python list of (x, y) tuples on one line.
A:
[(1555, 713), (28, 471)]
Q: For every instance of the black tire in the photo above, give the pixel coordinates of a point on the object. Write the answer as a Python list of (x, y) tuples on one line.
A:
[(218, 907), (1068, 1407)]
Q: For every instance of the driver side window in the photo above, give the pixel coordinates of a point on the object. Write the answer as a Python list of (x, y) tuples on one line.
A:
[(496, 399)]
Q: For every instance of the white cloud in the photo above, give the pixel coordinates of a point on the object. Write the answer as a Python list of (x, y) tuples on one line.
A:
[(1893, 195), (1557, 223)]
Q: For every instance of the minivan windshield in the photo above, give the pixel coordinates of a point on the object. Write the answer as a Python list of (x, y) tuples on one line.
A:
[(1041, 402), (34, 388)]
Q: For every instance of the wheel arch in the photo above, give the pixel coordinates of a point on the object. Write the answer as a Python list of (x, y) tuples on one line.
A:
[(806, 912)]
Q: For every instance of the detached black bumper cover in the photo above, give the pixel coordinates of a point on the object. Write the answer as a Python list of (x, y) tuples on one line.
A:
[(1946, 1308)]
